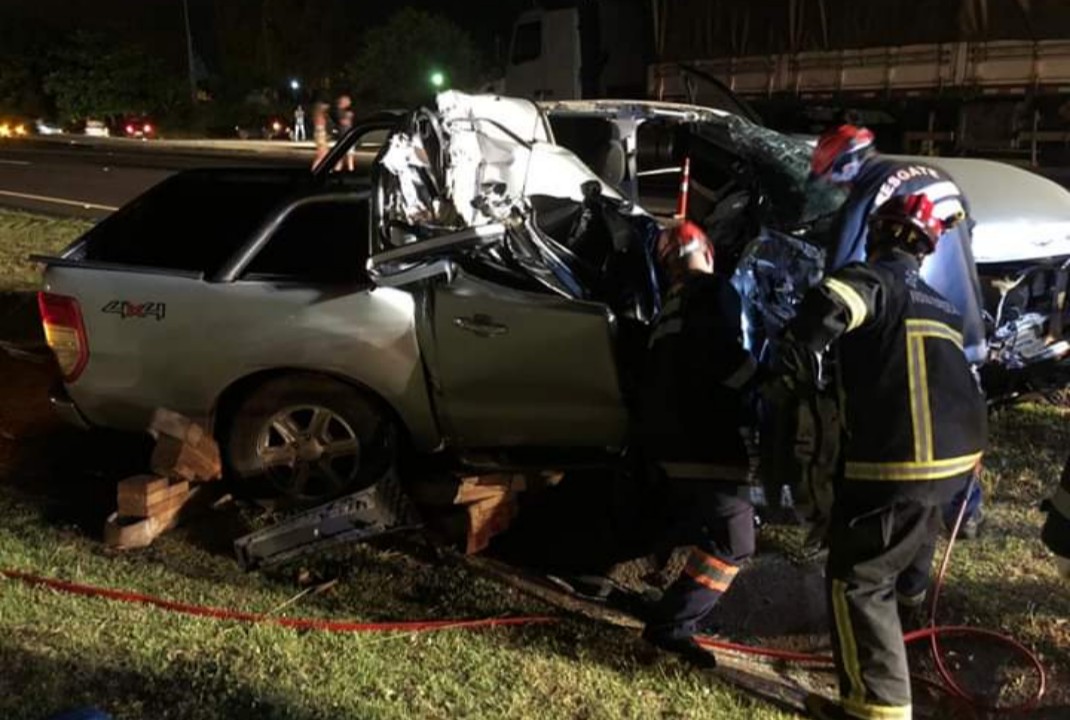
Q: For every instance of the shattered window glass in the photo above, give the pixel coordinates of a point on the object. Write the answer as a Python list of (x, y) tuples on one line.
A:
[(782, 164), (775, 272)]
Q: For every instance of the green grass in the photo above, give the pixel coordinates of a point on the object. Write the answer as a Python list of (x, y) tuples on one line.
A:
[(22, 234), (59, 651), (1007, 579)]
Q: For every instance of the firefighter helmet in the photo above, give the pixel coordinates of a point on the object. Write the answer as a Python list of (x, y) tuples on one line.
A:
[(677, 244), (906, 221), (840, 151)]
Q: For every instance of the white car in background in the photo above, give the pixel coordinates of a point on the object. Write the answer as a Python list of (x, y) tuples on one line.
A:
[(96, 128)]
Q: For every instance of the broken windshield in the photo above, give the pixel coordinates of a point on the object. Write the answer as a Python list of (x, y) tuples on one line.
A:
[(782, 166)]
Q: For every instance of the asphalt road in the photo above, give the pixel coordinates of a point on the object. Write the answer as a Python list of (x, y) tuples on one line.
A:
[(91, 179), (83, 177)]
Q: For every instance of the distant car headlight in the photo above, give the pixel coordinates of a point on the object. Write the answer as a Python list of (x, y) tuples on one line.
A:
[(5, 130), (276, 126), (20, 130)]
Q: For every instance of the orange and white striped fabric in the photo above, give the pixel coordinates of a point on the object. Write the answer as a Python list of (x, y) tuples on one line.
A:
[(710, 571)]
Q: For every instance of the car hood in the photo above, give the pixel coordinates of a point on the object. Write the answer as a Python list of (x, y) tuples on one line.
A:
[(1018, 215)]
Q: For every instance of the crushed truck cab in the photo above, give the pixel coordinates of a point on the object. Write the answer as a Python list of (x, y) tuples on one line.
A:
[(485, 294)]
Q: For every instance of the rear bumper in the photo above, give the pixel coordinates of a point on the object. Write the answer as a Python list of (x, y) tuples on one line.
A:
[(64, 407)]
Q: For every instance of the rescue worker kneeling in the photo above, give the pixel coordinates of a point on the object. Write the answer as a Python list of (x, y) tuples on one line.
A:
[(691, 410), (915, 428)]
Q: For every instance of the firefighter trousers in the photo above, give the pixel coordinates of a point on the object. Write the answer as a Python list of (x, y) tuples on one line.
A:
[(869, 550), (912, 587), (717, 520)]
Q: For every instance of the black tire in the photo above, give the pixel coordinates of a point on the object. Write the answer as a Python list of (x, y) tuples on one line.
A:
[(275, 432)]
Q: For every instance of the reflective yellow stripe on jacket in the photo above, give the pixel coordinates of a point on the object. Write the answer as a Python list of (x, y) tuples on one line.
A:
[(915, 470), (856, 306), (925, 465)]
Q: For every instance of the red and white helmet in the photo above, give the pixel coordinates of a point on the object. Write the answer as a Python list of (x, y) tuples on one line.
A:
[(840, 151), (906, 221), (677, 244)]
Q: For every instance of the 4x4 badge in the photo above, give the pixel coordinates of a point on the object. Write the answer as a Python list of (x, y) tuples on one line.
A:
[(126, 309)]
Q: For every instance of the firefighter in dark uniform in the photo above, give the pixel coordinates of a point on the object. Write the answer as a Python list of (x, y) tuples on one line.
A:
[(690, 416), (1056, 532), (846, 156), (915, 427)]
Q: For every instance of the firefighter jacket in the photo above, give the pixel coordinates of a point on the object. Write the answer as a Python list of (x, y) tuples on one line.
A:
[(911, 407), (1056, 532), (951, 270), (691, 407)]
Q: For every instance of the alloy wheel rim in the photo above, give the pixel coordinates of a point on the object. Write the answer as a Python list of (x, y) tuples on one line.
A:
[(309, 451)]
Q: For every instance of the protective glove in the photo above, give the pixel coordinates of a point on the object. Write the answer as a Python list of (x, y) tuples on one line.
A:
[(794, 367)]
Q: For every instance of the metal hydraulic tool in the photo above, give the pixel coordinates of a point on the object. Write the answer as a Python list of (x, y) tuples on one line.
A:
[(381, 509)]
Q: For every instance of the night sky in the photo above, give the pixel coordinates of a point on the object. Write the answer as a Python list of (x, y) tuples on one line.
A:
[(159, 23)]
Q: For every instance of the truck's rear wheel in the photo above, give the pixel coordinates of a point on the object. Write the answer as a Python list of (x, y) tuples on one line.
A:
[(308, 438)]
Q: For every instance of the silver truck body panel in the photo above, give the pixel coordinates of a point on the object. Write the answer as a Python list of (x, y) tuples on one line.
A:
[(513, 368), (462, 360), (215, 334)]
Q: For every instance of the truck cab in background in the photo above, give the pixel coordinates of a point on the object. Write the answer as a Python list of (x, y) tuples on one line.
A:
[(580, 49)]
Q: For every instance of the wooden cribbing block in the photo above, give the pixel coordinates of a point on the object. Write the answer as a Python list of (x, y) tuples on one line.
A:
[(179, 459), (183, 449), (491, 505), (128, 533), (487, 518), (485, 487), (147, 495), (168, 423)]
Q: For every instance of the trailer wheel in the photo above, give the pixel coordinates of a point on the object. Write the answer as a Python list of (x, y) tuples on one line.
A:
[(308, 438)]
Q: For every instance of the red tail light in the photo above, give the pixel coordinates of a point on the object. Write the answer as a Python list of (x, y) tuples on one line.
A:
[(65, 333), (148, 128), (129, 129)]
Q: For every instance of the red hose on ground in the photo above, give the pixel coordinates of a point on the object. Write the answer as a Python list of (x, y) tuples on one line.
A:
[(334, 626), (932, 633)]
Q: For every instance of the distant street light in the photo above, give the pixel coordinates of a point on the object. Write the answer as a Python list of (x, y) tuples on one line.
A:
[(438, 79), (295, 85)]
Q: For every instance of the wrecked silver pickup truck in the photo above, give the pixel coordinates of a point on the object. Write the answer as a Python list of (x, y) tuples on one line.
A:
[(485, 298)]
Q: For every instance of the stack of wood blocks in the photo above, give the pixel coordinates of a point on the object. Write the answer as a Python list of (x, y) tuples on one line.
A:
[(149, 505), (491, 502)]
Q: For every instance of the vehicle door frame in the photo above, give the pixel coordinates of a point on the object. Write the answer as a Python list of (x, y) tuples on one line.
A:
[(385, 120), (232, 270)]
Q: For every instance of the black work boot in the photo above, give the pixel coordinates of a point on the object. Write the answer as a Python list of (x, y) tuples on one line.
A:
[(820, 707), (595, 588), (913, 610), (683, 646)]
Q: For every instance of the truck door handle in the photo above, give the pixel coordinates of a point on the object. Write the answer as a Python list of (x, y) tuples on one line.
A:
[(481, 325)]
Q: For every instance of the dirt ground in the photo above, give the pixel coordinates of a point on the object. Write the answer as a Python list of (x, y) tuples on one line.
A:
[(775, 602)]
